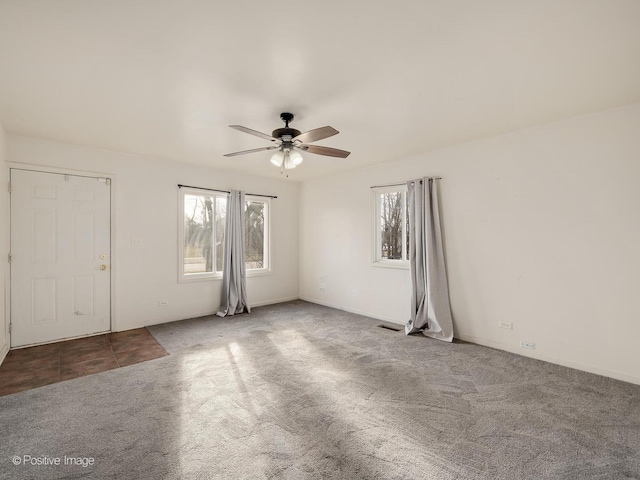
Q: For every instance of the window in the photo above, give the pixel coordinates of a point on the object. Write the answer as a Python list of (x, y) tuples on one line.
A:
[(202, 226), (255, 217), (391, 227)]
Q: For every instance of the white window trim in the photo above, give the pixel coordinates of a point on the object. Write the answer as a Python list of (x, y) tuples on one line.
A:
[(376, 260), (208, 276)]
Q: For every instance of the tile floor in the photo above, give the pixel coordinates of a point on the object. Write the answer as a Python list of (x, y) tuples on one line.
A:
[(34, 367)]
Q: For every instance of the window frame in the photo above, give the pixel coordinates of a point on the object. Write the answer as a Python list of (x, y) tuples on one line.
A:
[(217, 275), (376, 253), (266, 270)]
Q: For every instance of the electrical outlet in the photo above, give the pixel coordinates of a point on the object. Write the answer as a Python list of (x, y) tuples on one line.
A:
[(322, 289), (530, 345), (506, 325), (163, 303), (136, 242)]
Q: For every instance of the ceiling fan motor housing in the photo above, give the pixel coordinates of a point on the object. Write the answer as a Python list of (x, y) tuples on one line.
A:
[(282, 132), (286, 117)]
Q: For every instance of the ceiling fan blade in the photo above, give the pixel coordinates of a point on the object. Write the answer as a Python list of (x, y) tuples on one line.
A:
[(253, 132), (318, 150), (261, 149), (316, 134)]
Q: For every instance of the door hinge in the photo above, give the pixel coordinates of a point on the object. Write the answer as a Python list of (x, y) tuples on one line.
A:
[(9, 328), (9, 255), (9, 188)]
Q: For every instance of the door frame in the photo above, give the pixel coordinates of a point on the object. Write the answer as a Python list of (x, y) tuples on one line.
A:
[(112, 236)]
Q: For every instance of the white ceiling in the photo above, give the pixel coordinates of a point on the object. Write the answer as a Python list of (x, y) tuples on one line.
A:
[(165, 78)]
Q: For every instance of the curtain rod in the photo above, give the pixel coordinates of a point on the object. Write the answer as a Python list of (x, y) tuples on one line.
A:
[(225, 191), (401, 184)]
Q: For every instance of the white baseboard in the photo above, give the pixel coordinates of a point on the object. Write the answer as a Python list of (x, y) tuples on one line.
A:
[(497, 345), (364, 313), (207, 313), (157, 321), (3, 353), (462, 336), (272, 302), (545, 357)]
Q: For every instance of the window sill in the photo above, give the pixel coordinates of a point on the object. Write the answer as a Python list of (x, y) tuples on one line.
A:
[(397, 264), (218, 276), (199, 278), (258, 272)]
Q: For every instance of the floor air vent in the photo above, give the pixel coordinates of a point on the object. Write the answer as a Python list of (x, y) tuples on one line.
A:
[(395, 328)]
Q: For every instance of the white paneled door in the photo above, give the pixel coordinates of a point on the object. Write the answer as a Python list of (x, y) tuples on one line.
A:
[(60, 256)]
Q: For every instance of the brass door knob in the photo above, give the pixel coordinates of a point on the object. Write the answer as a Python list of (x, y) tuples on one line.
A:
[(103, 267)]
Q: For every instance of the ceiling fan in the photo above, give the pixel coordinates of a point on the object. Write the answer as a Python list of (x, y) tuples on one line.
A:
[(289, 140)]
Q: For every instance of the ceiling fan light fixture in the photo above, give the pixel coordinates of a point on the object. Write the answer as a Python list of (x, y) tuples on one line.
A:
[(286, 158), (277, 158), (288, 161), (295, 158)]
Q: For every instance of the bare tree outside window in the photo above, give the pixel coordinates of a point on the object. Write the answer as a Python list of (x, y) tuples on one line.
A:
[(406, 216), (391, 227), (198, 233), (254, 234), (221, 219), (391, 218)]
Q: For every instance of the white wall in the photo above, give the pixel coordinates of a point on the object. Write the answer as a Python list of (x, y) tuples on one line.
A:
[(146, 206), (542, 229), (4, 249)]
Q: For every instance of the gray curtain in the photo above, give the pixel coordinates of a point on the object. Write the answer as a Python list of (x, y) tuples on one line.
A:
[(430, 308), (233, 298)]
